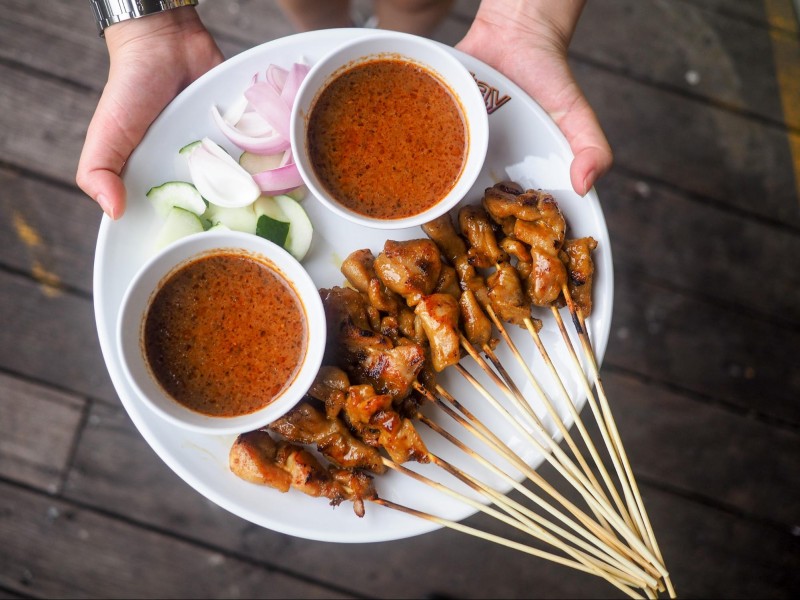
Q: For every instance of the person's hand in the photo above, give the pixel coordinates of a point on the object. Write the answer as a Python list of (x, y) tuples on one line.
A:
[(151, 60), (527, 41)]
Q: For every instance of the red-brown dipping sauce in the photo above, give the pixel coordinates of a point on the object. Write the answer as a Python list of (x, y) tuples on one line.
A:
[(387, 139), (225, 334)]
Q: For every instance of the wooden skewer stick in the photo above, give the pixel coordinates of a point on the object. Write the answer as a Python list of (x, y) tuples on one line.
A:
[(474, 426), (573, 476), (583, 335), (533, 530), (497, 540), (553, 413), (515, 351), (602, 550)]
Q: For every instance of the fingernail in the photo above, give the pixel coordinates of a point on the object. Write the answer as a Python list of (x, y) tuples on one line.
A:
[(105, 205), (588, 182)]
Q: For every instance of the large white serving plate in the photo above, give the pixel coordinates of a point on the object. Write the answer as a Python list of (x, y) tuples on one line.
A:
[(524, 146)]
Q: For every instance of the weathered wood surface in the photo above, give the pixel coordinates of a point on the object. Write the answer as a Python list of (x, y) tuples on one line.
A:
[(704, 220)]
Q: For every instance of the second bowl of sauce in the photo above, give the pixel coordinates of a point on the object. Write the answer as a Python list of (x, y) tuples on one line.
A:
[(389, 131)]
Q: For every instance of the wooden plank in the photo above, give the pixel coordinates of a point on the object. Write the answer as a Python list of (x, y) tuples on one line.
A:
[(702, 149), (49, 336), (717, 352), (47, 229), (37, 429), (691, 49), (668, 236), (60, 550), (705, 450)]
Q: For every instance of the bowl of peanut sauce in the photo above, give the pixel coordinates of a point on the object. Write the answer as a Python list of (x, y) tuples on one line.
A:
[(389, 131), (221, 332)]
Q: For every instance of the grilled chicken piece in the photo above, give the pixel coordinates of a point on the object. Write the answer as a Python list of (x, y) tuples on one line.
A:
[(547, 278), (378, 423), (483, 250), (506, 295), (330, 387), (257, 458), (516, 249), (505, 200), (580, 269), (545, 233), (443, 233), (304, 424), (448, 282), (439, 316), (470, 280), (359, 269), (477, 326), (252, 458), (409, 268), (366, 355)]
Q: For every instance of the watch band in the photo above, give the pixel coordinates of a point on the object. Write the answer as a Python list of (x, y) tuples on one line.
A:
[(108, 12)]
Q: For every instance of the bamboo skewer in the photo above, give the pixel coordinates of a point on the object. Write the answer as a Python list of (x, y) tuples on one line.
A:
[(474, 425), (497, 540), (612, 555), (583, 335), (531, 529), (515, 351)]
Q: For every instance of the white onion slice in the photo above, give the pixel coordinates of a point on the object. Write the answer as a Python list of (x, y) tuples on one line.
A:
[(266, 144), (219, 178)]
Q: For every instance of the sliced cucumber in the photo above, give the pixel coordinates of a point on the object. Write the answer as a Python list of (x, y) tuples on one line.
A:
[(187, 149), (238, 219), (176, 194), (287, 209), (256, 163), (178, 224), (273, 230)]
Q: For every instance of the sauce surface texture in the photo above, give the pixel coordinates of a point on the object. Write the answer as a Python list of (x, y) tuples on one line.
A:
[(225, 334), (387, 139)]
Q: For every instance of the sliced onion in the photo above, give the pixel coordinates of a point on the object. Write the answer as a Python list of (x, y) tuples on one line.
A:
[(276, 76), (219, 178), (259, 144), (279, 180), (295, 77), (267, 102)]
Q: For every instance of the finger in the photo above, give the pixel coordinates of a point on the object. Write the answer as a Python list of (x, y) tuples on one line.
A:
[(591, 151)]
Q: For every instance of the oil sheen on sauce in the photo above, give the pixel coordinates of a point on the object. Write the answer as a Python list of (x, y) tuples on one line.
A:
[(387, 139), (225, 334)]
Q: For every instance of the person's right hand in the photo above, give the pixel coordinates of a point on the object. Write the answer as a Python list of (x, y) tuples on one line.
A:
[(151, 60)]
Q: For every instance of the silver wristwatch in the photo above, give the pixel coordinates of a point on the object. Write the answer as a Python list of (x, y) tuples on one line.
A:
[(108, 12)]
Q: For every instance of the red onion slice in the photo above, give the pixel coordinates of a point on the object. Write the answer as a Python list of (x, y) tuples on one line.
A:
[(279, 180), (261, 144)]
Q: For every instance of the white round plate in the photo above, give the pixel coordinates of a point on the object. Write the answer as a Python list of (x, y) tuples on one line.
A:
[(524, 146)]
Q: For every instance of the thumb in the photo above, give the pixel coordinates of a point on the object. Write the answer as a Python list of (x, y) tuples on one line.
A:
[(111, 137)]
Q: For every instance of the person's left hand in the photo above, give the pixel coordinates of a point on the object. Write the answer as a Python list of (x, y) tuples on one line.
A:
[(532, 52)]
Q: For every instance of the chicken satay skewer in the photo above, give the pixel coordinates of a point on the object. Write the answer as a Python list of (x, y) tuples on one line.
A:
[(610, 423), (592, 565), (495, 539), (622, 562), (481, 247)]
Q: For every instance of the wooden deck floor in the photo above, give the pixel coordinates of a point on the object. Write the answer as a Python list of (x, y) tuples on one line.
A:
[(701, 102)]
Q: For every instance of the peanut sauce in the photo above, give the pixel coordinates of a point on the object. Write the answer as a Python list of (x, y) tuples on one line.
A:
[(387, 139), (225, 334)]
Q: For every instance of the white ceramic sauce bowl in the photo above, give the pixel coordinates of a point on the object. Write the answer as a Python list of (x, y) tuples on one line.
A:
[(140, 292), (436, 59)]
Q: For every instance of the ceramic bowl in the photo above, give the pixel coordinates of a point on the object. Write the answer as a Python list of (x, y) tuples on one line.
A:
[(148, 280)]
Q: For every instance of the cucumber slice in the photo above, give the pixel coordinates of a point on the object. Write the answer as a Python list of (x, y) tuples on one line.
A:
[(238, 219), (287, 209), (256, 163), (272, 230), (176, 194), (187, 149), (178, 224)]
